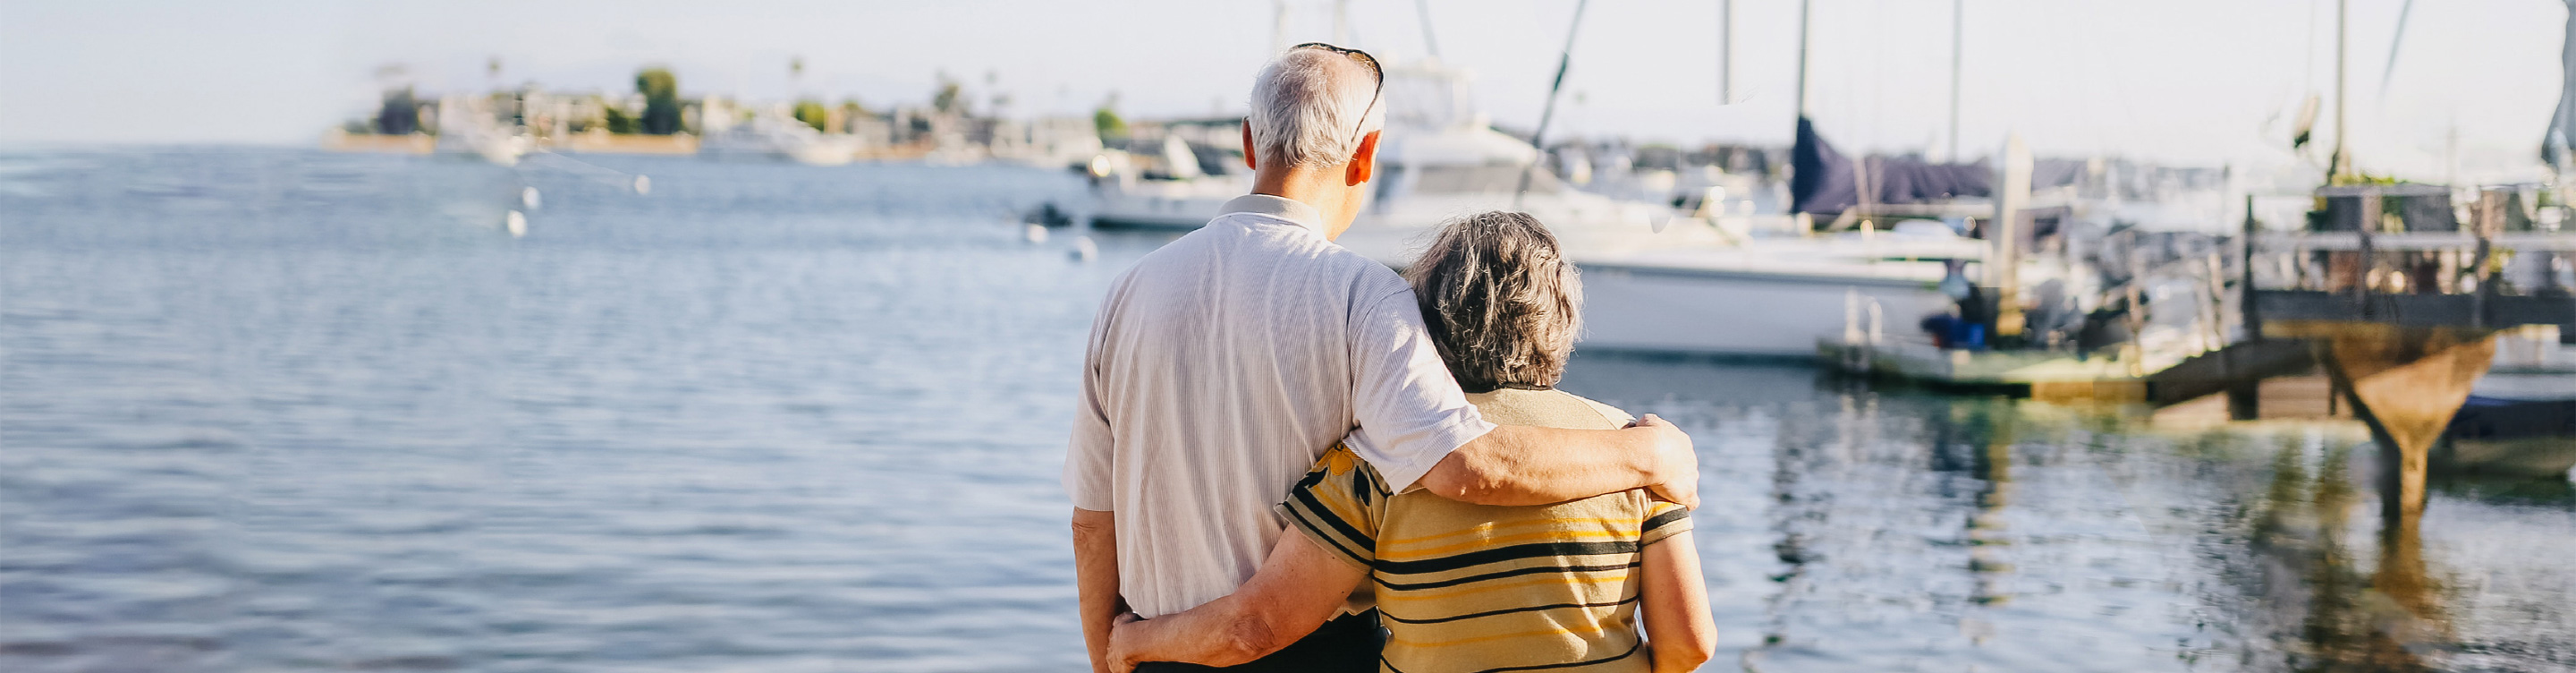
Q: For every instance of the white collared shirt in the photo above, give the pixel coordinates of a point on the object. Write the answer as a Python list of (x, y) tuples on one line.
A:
[(1220, 368)]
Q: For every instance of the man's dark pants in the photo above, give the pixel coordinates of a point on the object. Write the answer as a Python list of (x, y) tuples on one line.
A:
[(1349, 644)]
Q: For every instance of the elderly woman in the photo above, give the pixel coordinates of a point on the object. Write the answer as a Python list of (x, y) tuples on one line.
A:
[(1463, 587)]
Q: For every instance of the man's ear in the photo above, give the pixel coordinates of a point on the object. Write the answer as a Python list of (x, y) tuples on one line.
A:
[(1363, 164), (1247, 144)]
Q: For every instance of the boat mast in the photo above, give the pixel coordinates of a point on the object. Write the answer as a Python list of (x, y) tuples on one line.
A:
[(1806, 12), (1958, 31), (1538, 138), (2399, 40), (1429, 42), (1806, 9), (2342, 162), (1726, 52)]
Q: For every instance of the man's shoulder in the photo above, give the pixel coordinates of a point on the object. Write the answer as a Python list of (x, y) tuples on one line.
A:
[(1363, 272), (1314, 256), (1184, 257)]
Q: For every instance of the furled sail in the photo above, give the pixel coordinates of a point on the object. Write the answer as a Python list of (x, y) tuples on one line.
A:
[(1824, 182)]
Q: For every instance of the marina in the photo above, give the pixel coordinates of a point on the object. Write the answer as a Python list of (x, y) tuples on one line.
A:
[(496, 375), (661, 450)]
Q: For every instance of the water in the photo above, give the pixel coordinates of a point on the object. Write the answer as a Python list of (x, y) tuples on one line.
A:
[(281, 410)]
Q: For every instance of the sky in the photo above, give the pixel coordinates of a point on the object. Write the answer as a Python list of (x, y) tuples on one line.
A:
[(2182, 81)]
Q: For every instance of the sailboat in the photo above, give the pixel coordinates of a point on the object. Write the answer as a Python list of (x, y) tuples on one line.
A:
[(1655, 279)]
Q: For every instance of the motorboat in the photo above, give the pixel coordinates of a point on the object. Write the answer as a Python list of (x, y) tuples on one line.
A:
[(468, 126), (1171, 188), (775, 134)]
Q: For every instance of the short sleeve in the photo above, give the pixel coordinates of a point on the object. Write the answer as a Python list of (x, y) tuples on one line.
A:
[(1410, 411), (1663, 520), (1088, 455), (1339, 505)]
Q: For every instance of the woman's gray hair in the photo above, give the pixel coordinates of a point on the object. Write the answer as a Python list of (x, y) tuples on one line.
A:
[(1502, 304), (1306, 108)]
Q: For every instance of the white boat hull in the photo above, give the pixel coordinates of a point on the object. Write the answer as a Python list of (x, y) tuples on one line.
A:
[(822, 151), (1164, 204), (1741, 314), (1131, 211), (1684, 288)]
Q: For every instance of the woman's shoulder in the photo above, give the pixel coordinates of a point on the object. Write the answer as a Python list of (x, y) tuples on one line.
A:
[(1614, 415), (1548, 408)]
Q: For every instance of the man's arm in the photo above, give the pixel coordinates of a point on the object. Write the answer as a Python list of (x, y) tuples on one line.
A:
[(1518, 465), (1417, 428), (1095, 578), (1297, 589), (1678, 629), (1088, 457)]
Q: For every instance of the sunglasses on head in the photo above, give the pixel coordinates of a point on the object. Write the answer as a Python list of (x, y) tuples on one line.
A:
[(1374, 71)]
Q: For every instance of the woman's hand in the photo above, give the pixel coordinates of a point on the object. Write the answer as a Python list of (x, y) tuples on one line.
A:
[(1121, 641)]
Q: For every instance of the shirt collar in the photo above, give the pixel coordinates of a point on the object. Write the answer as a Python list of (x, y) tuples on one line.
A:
[(1280, 208)]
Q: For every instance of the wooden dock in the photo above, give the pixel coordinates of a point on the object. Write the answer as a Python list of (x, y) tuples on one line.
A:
[(2042, 375), (2385, 325)]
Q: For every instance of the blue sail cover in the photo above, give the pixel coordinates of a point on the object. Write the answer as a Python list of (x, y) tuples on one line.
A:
[(1823, 182)]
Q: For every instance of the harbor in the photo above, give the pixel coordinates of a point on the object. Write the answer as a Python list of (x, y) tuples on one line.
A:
[(628, 365), (656, 426)]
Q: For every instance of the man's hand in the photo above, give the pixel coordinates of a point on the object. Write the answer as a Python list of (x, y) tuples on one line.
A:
[(1122, 657), (1297, 589), (1676, 475)]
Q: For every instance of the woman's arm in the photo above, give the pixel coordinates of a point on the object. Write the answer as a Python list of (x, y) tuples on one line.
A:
[(1298, 588), (1678, 629)]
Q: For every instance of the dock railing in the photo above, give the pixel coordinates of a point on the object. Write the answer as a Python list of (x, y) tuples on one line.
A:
[(2396, 269), (2209, 322)]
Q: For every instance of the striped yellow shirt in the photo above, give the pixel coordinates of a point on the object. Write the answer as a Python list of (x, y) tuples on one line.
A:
[(1464, 587)]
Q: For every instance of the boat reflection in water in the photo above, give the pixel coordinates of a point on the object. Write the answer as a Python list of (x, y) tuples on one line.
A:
[(1856, 530)]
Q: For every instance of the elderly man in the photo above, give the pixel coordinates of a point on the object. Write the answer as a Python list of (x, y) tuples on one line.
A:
[(1224, 364)]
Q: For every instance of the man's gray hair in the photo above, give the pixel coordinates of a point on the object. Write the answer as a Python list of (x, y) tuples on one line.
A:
[(1500, 301), (1306, 108)]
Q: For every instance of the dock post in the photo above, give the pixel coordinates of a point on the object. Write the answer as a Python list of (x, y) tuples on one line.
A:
[(2366, 259), (2003, 265), (2135, 315), (2249, 318), (2487, 220), (2245, 399)]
